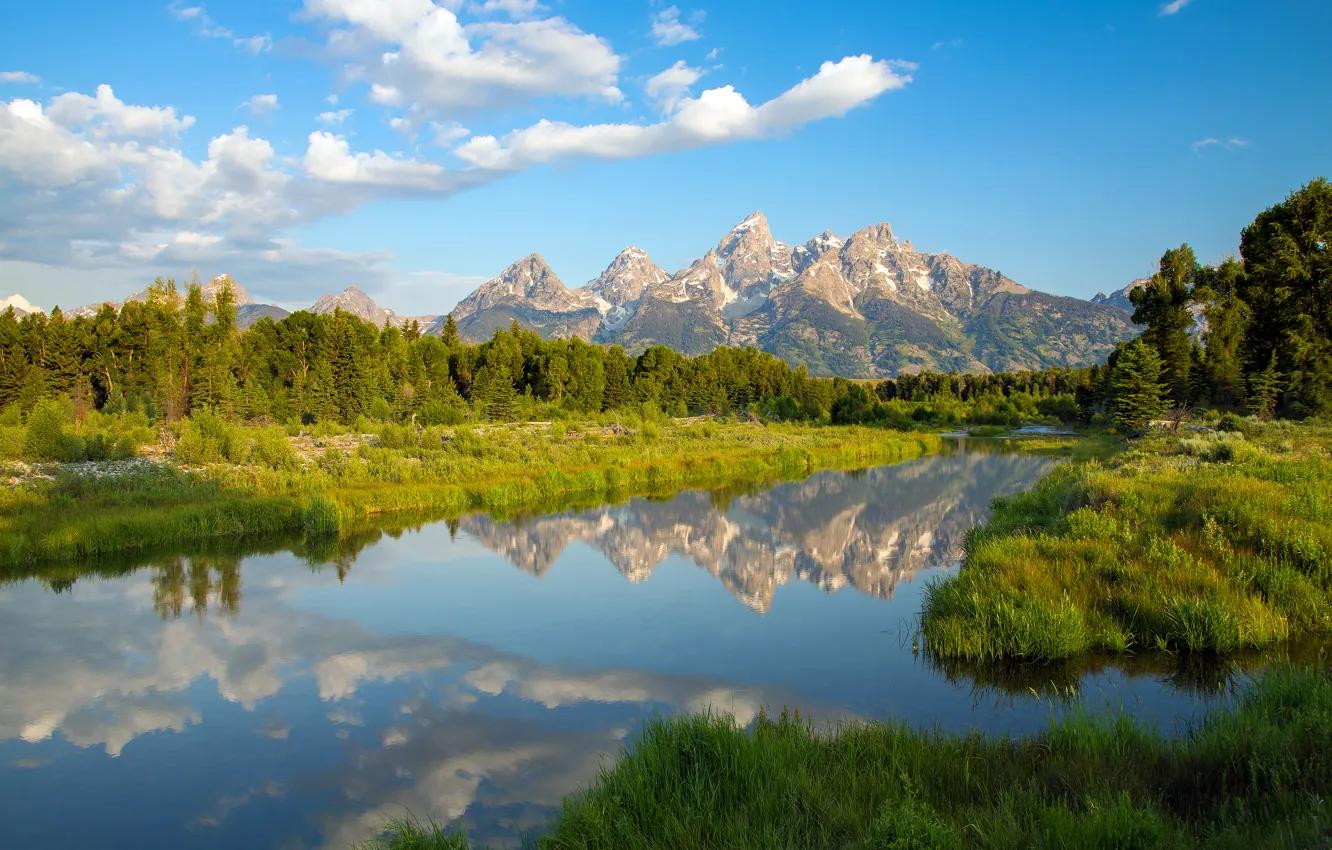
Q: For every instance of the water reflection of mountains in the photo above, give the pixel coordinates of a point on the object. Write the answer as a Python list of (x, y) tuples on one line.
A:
[(869, 529)]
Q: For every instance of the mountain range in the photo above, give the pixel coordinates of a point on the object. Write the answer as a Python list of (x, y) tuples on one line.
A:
[(865, 306)]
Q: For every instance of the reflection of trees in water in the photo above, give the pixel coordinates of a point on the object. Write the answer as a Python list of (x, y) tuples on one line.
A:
[(201, 580), (1194, 674)]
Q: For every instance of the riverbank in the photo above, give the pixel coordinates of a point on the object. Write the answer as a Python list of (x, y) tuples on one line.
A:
[(1256, 774), (1211, 542), (347, 482)]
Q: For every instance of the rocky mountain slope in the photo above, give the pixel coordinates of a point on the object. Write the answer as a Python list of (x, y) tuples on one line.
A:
[(1120, 297), (865, 306)]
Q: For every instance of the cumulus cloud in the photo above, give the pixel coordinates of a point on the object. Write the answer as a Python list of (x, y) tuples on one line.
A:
[(91, 182), (667, 89), (417, 51), (262, 104), (668, 29), (716, 116), (1174, 7), (18, 77)]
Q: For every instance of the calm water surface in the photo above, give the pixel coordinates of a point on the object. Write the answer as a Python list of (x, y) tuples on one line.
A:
[(482, 670)]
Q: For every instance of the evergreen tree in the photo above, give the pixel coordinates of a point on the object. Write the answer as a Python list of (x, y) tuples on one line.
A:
[(1264, 387), (1225, 320), (1139, 392), (450, 332), (1287, 287), (1162, 304), (618, 393)]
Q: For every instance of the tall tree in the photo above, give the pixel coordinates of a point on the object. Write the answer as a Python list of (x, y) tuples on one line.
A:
[(1287, 286), (1139, 392), (1162, 304)]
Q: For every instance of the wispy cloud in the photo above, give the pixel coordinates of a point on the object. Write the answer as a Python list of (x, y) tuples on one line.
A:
[(1174, 7), (1229, 144), (330, 119), (18, 77), (209, 28), (262, 104), (668, 29)]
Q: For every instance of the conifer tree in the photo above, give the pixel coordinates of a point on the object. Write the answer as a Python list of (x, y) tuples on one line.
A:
[(1139, 393), (1162, 304)]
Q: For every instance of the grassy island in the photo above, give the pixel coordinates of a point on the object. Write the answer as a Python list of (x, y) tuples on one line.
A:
[(1215, 541)]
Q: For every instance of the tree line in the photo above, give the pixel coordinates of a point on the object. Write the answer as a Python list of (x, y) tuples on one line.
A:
[(1265, 348)]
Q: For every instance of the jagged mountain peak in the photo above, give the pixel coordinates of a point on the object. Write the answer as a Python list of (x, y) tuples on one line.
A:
[(622, 284), (352, 300), (239, 295)]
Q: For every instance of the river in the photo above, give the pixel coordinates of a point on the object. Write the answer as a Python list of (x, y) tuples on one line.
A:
[(480, 670)]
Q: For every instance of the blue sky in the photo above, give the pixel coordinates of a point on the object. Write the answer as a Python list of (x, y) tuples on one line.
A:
[(416, 148)]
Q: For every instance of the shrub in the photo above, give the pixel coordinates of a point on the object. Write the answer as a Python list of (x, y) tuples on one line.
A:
[(380, 409), (44, 438), (271, 449), (434, 413), (1231, 422)]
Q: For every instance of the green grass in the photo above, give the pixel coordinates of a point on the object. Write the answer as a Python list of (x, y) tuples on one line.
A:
[(1256, 774), (1213, 543), (438, 474)]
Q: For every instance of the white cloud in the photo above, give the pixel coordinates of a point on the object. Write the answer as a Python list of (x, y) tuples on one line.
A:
[(667, 28), (334, 118), (90, 182), (448, 133), (262, 104), (209, 28), (716, 116), (255, 43), (1174, 7), (18, 77), (418, 52), (18, 302), (667, 89), (106, 115), (330, 158), (1229, 144)]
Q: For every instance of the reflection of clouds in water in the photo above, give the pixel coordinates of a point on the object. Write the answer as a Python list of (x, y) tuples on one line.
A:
[(107, 670)]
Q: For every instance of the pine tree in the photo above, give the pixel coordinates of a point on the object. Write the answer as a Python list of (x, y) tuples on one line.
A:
[(1163, 306), (1137, 386), (1224, 316), (618, 393), (450, 332), (1264, 388)]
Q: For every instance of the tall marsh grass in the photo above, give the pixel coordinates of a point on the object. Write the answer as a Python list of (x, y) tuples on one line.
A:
[(1254, 774), (1211, 543), (251, 480)]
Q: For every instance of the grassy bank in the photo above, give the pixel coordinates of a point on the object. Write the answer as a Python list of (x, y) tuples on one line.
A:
[(1212, 542), (346, 483), (1257, 774)]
